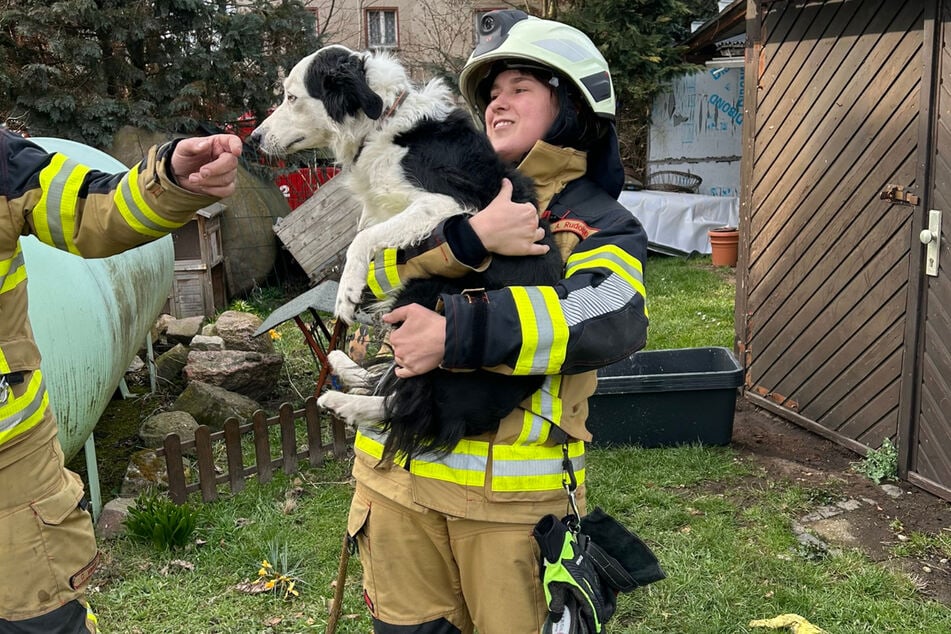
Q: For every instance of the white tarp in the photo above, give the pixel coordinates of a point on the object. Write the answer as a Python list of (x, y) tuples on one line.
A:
[(678, 223)]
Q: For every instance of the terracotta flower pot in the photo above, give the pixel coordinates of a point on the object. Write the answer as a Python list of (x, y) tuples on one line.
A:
[(723, 245)]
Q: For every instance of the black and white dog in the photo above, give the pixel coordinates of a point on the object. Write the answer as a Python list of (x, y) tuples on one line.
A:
[(413, 159)]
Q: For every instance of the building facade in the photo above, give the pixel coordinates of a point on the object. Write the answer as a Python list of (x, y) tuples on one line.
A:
[(431, 37)]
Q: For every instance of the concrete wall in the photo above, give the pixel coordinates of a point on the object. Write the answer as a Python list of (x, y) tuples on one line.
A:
[(696, 127)]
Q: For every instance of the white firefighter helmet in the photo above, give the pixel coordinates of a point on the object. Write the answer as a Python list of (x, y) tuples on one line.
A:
[(513, 39)]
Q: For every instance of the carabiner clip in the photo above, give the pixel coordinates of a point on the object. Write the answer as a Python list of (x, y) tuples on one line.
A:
[(570, 482)]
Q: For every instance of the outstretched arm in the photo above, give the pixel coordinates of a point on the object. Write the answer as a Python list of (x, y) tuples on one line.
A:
[(207, 165)]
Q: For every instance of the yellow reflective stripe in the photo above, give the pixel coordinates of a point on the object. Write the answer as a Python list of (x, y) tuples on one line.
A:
[(91, 619), (465, 465), (54, 217), (534, 468), (136, 212), (545, 410), (47, 176), (4, 365), (383, 277), (371, 443), (514, 468), (614, 259), (544, 330), (12, 271), (24, 412)]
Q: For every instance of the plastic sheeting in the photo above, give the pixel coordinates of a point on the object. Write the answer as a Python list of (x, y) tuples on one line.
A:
[(677, 224)]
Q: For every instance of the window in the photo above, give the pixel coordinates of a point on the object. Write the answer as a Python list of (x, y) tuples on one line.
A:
[(313, 12), (381, 28)]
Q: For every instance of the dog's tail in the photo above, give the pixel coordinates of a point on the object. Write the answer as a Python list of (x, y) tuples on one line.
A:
[(411, 419)]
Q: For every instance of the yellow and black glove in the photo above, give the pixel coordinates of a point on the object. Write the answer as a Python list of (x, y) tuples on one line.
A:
[(578, 601)]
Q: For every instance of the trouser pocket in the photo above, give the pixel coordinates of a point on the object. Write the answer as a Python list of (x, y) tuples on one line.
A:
[(53, 543)]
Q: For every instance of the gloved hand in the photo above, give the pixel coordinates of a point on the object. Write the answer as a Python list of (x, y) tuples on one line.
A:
[(571, 582)]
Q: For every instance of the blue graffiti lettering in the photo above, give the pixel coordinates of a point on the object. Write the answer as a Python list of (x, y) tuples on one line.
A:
[(727, 108)]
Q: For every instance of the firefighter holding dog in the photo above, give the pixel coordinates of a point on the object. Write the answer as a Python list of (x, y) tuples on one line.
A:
[(47, 545), (446, 543)]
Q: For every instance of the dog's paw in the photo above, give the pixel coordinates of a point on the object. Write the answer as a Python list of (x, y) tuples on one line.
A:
[(349, 294), (350, 373), (355, 410)]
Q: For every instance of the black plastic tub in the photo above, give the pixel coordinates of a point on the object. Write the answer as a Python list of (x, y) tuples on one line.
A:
[(659, 398)]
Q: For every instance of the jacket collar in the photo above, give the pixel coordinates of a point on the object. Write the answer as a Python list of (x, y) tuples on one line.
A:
[(552, 167)]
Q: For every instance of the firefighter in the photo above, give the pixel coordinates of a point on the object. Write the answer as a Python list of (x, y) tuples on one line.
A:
[(47, 545), (446, 542)]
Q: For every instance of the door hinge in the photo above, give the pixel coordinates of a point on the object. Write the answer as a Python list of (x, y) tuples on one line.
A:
[(897, 194), (931, 237)]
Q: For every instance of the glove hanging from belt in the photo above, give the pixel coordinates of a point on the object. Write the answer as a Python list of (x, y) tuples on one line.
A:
[(571, 581), (586, 562)]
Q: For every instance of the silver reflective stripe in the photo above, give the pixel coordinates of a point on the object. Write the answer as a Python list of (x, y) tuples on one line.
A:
[(545, 328), (125, 190), (537, 425), (15, 263), (611, 295), (457, 461), (568, 50), (540, 421), (521, 468), (33, 407), (55, 204)]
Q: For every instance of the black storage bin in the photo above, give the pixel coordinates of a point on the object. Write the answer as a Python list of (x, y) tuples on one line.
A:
[(658, 398)]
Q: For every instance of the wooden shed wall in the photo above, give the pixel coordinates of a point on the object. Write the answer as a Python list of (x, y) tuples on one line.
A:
[(928, 430), (823, 286)]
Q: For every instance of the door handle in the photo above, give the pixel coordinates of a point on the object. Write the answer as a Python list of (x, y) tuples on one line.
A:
[(931, 237)]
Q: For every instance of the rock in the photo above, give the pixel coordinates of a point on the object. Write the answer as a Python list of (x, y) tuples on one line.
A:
[(154, 430), (207, 342), (209, 330), (182, 330), (146, 471), (111, 521), (891, 490), (249, 373), (237, 329), (158, 328), (136, 365), (169, 366), (212, 405)]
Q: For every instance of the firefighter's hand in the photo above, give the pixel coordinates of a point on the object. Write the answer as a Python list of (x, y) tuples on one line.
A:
[(573, 588), (419, 343), (509, 228), (207, 165)]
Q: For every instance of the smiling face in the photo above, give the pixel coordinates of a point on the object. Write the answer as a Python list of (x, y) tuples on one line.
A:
[(521, 110)]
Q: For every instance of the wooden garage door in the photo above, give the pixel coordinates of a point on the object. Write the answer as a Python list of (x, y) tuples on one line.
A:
[(826, 287), (930, 437)]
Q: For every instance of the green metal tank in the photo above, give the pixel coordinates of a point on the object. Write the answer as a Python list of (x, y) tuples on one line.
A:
[(91, 316)]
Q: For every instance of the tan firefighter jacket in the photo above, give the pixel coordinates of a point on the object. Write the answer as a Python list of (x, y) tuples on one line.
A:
[(85, 212), (594, 316)]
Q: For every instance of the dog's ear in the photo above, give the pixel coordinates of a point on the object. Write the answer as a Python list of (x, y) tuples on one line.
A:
[(342, 87)]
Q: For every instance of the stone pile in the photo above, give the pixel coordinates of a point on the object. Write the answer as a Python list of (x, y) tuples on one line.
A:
[(219, 370)]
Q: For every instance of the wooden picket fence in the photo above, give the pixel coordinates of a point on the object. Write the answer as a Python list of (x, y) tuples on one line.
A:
[(287, 460)]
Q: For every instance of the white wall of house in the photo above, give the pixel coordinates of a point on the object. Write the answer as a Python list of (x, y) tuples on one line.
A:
[(696, 127)]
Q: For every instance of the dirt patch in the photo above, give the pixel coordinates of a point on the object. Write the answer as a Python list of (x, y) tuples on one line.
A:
[(861, 514)]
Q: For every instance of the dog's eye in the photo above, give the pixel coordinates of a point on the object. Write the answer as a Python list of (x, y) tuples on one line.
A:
[(291, 98)]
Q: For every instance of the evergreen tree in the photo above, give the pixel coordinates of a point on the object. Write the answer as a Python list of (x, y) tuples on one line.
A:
[(81, 69), (640, 41)]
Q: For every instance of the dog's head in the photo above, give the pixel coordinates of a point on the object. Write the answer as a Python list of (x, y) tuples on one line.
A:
[(326, 95)]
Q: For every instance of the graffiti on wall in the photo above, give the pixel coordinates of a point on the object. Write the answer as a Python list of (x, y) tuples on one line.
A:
[(696, 126), (701, 115)]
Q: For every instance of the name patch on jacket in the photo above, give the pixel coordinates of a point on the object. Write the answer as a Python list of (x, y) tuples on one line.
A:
[(577, 227)]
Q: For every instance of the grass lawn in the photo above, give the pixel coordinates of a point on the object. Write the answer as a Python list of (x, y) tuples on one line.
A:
[(719, 525)]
